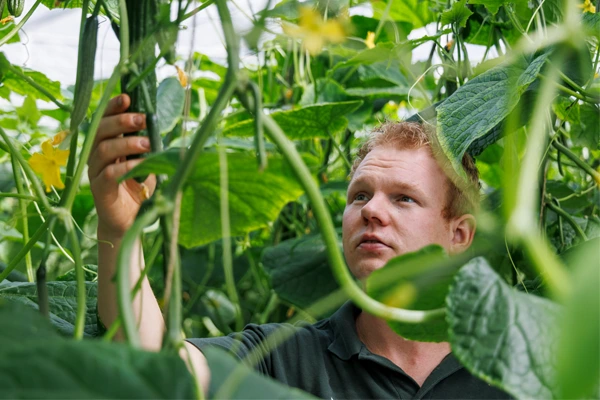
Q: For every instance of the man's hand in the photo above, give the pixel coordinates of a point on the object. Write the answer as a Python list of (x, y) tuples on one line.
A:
[(118, 204)]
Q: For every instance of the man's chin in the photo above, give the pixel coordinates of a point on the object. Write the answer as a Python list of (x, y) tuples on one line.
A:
[(364, 269)]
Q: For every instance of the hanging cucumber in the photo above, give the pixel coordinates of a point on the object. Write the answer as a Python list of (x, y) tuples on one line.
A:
[(15, 7), (2, 5), (84, 85), (142, 44)]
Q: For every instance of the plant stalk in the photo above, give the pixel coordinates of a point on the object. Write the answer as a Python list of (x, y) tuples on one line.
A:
[(580, 163), (23, 216), (35, 182)]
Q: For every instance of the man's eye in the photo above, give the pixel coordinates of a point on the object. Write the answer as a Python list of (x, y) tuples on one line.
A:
[(406, 199), (360, 197)]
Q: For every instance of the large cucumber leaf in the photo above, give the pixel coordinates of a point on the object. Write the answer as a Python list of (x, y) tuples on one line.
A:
[(62, 302), (255, 198), (415, 281), (319, 120), (502, 336), (37, 363), (299, 270), (472, 112)]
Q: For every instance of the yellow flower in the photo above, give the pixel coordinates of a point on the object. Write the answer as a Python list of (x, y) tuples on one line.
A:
[(6, 20), (48, 163), (314, 31), (588, 7), (58, 138), (370, 40)]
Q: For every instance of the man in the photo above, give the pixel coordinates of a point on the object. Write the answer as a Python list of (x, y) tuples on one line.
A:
[(399, 200)]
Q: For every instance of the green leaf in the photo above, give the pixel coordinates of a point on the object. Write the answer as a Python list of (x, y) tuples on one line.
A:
[(19, 323), (170, 97), (255, 198), (491, 5), (476, 108), (299, 270), (233, 380), (40, 364), (19, 86), (320, 120), (457, 15), (376, 92), (503, 336), (579, 347), (587, 132), (28, 112), (415, 281), (383, 70), (415, 12), (204, 63), (62, 301), (6, 29)]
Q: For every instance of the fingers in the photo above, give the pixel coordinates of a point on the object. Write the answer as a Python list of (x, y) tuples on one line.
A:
[(117, 105), (116, 125), (109, 151), (108, 178)]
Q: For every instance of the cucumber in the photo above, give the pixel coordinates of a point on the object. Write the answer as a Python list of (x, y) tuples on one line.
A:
[(84, 85), (142, 43), (15, 7), (2, 5), (142, 47)]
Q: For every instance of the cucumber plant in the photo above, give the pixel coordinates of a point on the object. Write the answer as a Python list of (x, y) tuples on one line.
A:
[(279, 136)]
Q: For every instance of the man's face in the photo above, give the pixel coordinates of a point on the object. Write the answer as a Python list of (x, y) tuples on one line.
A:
[(395, 203)]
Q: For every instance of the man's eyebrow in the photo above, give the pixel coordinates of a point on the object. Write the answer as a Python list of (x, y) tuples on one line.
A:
[(398, 185)]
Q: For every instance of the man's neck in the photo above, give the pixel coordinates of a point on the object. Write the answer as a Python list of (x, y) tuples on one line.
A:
[(417, 359)]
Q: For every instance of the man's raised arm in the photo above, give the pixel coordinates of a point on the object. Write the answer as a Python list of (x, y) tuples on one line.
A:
[(117, 205)]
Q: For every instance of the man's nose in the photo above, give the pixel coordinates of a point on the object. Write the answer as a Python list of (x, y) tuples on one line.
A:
[(376, 211)]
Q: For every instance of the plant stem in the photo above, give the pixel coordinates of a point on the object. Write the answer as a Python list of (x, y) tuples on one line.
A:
[(18, 26), (580, 163), (38, 87), (521, 222), (124, 296), (72, 183), (329, 235), (42, 287), (80, 276), (123, 33), (149, 262), (197, 10), (19, 256), (19, 196), (23, 212), (35, 182), (567, 216), (225, 93), (226, 234)]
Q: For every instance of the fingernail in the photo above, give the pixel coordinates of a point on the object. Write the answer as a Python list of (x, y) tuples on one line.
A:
[(120, 101), (137, 120), (145, 144)]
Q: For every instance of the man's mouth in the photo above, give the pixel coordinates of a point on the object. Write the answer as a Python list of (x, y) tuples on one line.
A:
[(371, 243)]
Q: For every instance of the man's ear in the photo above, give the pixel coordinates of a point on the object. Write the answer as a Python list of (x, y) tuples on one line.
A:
[(463, 231)]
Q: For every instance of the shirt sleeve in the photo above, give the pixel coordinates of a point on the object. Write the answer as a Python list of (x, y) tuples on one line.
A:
[(251, 346)]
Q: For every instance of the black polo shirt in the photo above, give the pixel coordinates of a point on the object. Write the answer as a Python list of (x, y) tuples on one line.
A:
[(328, 360)]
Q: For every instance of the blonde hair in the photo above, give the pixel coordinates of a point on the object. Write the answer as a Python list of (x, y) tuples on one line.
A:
[(461, 197)]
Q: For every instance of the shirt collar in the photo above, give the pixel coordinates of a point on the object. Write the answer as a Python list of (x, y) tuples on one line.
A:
[(346, 342)]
